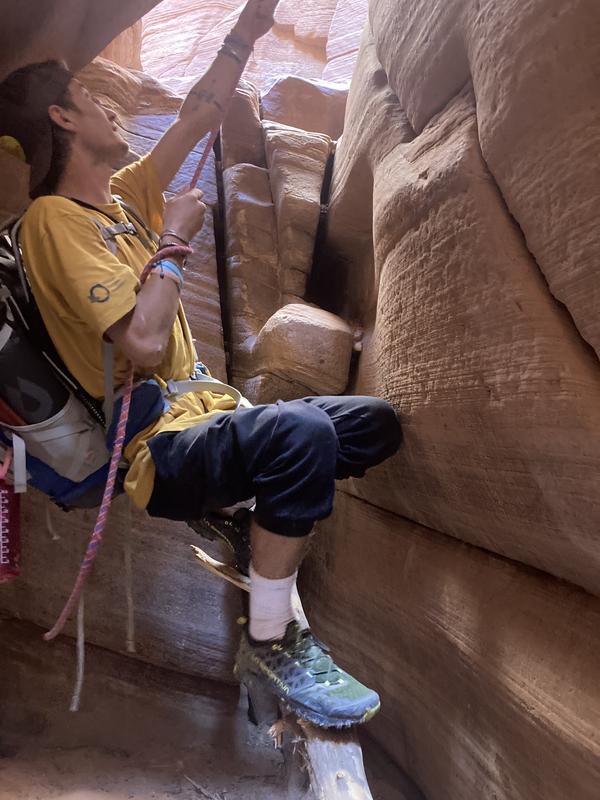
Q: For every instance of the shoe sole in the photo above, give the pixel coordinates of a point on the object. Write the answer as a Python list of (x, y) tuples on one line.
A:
[(254, 681)]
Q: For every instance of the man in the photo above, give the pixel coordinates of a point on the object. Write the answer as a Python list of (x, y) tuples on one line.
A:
[(197, 455)]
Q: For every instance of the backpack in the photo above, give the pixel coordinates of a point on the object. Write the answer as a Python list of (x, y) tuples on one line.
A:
[(61, 437), (56, 430)]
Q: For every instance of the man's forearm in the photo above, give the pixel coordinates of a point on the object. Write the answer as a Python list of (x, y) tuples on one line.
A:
[(143, 335), (208, 99), (205, 106)]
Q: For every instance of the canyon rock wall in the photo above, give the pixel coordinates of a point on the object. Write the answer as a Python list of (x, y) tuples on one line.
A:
[(457, 242), (72, 30), (313, 39), (460, 237)]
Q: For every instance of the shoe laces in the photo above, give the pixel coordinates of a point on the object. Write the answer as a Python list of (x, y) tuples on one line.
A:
[(314, 656)]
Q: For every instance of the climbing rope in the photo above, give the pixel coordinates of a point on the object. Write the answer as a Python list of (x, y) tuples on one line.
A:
[(98, 532)]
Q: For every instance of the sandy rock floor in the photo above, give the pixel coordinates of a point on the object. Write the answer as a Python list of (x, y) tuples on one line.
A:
[(142, 733)]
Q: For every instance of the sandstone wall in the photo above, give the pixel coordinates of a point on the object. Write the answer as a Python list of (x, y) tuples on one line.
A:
[(488, 671), (497, 388), (459, 236), (73, 30), (313, 39)]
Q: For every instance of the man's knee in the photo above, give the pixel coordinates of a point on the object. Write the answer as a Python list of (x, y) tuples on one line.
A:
[(302, 428), (382, 422)]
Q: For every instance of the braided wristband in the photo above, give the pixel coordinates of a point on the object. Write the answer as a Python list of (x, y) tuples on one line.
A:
[(168, 250), (167, 269), (231, 40), (225, 50), (175, 235)]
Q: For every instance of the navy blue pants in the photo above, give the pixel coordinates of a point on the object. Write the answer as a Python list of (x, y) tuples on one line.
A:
[(287, 455)]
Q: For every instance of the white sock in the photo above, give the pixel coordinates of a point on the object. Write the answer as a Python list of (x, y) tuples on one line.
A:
[(270, 605)]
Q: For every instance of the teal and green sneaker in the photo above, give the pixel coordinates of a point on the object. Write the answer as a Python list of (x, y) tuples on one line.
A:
[(299, 671)]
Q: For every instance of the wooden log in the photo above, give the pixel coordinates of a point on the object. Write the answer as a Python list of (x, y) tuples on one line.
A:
[(221, 570), (335, 763)]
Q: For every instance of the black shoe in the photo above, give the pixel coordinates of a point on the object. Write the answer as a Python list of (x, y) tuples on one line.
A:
[(234, 531)]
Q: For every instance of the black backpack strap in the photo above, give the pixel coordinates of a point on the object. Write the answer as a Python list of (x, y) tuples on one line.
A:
[(118, 228), (131, 213)]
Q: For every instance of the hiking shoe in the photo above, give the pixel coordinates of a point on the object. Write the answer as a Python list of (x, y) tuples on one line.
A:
[(234, 531), (300, 672)]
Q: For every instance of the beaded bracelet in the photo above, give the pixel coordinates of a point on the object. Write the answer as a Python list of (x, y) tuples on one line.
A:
[(170, 270)]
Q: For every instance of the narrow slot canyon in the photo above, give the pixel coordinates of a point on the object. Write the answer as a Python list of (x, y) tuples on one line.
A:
[(402, 202)]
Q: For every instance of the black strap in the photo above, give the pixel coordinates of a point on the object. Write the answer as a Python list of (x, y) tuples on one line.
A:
[(117, 228)]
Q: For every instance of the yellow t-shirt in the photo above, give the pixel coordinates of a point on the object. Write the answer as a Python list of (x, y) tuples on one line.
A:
[(82, 289)]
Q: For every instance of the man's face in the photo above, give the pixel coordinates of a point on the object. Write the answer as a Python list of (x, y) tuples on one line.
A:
[(95, 127)]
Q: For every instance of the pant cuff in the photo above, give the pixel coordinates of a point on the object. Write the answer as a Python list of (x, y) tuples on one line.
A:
[(293, 528)]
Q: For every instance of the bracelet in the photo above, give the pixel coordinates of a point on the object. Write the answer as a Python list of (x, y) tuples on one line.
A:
[(231, 40), (175, 235), (167, 269), (225, 50), (168, 275), (167, 249), (170, 266)]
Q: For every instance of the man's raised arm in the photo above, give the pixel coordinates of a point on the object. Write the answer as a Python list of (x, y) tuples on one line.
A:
[(206, 104)]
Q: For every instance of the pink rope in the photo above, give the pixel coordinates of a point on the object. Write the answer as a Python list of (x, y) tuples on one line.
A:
[(98, 532), (5, 465), (204, 158), (96, 538)]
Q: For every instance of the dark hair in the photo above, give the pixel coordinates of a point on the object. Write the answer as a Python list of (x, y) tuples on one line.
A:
[(61, 139), (25, 96)]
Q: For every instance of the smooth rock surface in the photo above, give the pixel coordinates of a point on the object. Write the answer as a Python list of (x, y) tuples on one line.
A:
[(488, 671), (184, 617), (296, 160), (310, 21), (194, 33), (73, 30), (377, 126), (241, 132), (126, 49), (315, 39), (253, 293), (499, 397), (343, 42), (307, 346), (311, 105), (540, 146)]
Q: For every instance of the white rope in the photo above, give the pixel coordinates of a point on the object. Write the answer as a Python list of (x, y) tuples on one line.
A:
[(128, 559), (50, 525), (75, 700), (298, 609)]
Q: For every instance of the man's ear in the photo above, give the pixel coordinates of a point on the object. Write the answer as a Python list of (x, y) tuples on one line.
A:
[(62, 117)]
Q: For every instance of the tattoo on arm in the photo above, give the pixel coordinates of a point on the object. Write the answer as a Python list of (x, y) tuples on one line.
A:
[(202, 96)]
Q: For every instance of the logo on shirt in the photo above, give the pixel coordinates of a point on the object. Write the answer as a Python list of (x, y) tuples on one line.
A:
[(98, 293)]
